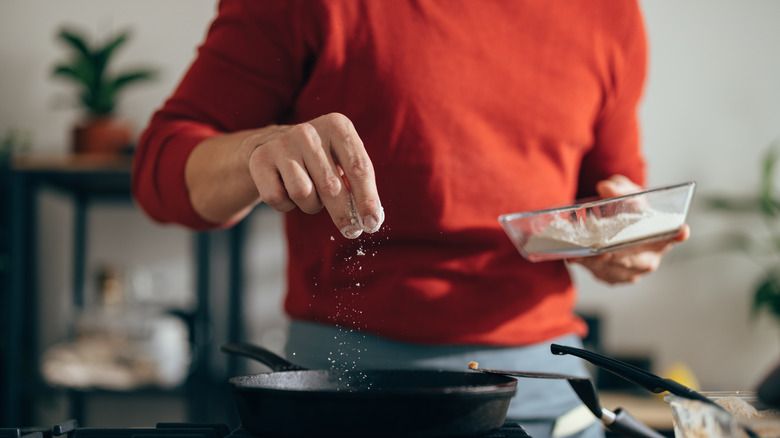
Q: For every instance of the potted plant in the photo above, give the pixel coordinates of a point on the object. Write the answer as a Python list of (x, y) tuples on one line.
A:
[(764, 247), (100, 130)]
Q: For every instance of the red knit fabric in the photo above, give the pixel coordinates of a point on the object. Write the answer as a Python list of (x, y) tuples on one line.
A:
[(468, 109)]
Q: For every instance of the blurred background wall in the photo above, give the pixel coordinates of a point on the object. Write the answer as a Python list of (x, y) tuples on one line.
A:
[(711, 109)]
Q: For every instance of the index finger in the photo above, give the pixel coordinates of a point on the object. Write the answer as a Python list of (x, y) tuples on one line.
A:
[(349, 154)]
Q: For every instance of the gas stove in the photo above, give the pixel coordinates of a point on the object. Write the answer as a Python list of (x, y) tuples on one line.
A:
[(70, 429)]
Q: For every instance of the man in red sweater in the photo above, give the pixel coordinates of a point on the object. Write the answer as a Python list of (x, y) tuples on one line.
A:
[(393, 134)]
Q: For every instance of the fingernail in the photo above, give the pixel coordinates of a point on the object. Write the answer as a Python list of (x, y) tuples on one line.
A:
[(352, 231), (372, 222)]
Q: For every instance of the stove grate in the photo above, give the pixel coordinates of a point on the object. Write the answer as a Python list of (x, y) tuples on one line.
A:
[(508, 430), (70, 429)]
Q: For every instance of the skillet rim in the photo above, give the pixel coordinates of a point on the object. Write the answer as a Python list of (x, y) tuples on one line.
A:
[(496, 384)]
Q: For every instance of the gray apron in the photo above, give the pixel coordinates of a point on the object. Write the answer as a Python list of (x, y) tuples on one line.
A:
[(536, 406)]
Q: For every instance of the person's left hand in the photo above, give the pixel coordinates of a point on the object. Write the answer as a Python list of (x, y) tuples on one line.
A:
[(627, 265)]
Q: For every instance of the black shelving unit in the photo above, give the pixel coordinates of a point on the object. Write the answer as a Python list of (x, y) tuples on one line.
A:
[(87, 180)]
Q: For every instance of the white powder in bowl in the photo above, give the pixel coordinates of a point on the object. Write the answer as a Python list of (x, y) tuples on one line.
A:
[(595, 233)]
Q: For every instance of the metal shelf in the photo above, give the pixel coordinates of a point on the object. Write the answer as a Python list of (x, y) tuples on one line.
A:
[(87, 180)]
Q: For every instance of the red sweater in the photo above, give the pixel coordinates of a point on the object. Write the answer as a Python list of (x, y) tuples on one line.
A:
[(468, 109)]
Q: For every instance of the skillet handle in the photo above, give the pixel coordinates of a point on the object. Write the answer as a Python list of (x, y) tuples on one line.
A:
[(260, 354)]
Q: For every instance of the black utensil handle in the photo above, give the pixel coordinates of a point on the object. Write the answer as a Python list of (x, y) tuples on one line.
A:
[(627, 371), (636, 375), (626, 424), (260, 354)]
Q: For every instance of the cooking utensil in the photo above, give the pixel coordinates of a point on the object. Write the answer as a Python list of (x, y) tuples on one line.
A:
[(292, 401), (769, 388), (649, 381), (619, 421)]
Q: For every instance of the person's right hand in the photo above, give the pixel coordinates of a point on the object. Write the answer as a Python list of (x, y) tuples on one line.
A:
[(306, 166), (628, 265)]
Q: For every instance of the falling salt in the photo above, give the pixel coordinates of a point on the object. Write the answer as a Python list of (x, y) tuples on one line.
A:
[(346, 355)]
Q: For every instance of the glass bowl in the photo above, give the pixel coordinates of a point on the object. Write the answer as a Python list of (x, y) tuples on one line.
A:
[(694, 419), (593, 227)]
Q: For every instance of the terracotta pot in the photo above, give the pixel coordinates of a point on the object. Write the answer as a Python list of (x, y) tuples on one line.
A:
[(103, 135)]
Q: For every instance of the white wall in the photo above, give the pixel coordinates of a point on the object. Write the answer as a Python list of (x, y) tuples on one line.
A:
[(712, 106)]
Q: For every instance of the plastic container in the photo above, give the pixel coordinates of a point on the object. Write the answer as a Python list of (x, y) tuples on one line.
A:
[(594, 227), (694, 419)]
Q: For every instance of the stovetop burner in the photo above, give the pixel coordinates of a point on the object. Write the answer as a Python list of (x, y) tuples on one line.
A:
[(70, 429)]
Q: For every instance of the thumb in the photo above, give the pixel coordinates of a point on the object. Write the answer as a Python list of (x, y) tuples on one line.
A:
[(616, 185)]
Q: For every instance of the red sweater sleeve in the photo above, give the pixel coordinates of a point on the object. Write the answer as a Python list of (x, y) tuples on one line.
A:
[(158, 170), (226, 89), (617, 148)]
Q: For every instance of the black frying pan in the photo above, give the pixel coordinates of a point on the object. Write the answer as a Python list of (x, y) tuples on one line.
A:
[(293, 402)]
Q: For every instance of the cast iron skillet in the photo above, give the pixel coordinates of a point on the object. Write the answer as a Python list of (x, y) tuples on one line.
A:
[(293, 402)]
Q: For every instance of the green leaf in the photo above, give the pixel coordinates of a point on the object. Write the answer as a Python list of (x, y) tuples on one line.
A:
[(101, 56), (128, 78), (107, 95), (105, 100), (72, 72), (81, 67), (767, 294), (768, 205), (76, 41), (109, 48)]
